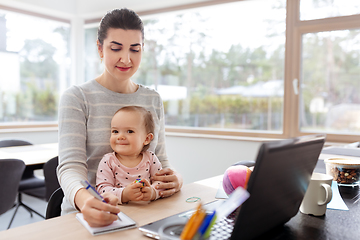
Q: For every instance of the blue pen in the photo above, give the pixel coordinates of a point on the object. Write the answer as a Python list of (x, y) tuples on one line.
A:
[(93, 192), (206, 223)]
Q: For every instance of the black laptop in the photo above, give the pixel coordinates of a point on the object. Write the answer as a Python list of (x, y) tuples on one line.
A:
[(277, 186)]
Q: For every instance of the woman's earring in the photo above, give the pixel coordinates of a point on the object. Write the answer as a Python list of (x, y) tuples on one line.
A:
[(100, 60)]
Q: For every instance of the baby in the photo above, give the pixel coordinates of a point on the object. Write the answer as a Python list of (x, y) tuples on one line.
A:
[(126, 172)]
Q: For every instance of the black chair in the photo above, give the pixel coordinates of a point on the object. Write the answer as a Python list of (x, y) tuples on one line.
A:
[(51, 180), (11, 171), (13, 143), (53, 208), (29, 184)]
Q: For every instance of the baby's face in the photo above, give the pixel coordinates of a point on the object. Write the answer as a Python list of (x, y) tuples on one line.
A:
[(128, 134)]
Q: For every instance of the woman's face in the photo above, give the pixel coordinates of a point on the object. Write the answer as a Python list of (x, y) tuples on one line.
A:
[(121, 53)]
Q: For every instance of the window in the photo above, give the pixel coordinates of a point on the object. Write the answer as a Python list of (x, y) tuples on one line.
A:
[(254, 68), (93, 68), (217, 67), (323, 53), (315, 9), (331, 82), (34, 55)]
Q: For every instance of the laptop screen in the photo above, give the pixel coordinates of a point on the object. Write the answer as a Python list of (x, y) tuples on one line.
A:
[(278, 184)]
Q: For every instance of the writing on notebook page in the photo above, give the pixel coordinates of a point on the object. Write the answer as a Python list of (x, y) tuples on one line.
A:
[(125, 223)]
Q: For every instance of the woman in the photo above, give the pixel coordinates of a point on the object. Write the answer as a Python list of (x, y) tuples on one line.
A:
[(85, 113)]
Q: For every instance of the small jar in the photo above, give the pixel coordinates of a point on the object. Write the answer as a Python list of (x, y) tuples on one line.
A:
[(345, 171)]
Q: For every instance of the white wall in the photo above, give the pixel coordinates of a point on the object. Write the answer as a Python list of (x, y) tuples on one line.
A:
[(195, 158), (199, 158)]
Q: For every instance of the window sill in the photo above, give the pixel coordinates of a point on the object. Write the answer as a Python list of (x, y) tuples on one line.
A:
[(176, 132), (193, 134), (220, 137), (32, 128)]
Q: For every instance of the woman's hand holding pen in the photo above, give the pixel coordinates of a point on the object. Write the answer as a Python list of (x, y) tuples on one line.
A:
[(171, 182), (96, 212)]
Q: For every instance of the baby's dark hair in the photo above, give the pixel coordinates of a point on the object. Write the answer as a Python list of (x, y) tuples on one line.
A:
[(147, 117), (119, 18)]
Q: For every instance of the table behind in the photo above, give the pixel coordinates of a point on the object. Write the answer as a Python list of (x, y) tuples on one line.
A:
[(37, 154)]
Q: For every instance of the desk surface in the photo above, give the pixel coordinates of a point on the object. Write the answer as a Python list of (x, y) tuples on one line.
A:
[(68, 227), (336, 224), (31, 154)]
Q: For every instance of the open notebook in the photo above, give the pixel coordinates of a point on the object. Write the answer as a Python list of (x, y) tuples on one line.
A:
[(118, 225)]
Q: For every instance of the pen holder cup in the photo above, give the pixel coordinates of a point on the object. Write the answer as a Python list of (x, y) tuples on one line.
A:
[(171, 231)]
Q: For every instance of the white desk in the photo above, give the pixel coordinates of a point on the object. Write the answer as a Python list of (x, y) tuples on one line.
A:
[(31, 154)]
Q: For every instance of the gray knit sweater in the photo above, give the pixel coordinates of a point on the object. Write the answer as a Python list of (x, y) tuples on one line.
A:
[(85, 113)]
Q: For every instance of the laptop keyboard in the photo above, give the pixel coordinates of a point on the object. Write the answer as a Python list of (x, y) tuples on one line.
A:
[(222, 229)]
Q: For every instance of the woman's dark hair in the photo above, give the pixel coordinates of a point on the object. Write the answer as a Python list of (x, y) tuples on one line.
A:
[(119, 18)]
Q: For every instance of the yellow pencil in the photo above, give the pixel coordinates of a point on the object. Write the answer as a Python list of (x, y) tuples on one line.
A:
[(188, 226), (196, 224)]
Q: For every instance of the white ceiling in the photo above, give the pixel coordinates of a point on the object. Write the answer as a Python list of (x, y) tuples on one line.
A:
[(89, 9)]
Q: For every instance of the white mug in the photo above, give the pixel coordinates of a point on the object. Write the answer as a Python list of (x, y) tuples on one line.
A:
[(318, 195)]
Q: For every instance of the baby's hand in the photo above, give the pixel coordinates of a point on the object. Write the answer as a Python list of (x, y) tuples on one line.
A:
[(132, 192), (148, 192)]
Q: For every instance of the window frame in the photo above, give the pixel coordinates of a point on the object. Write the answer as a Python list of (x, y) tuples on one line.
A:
[(294, 31), (297, 29)]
